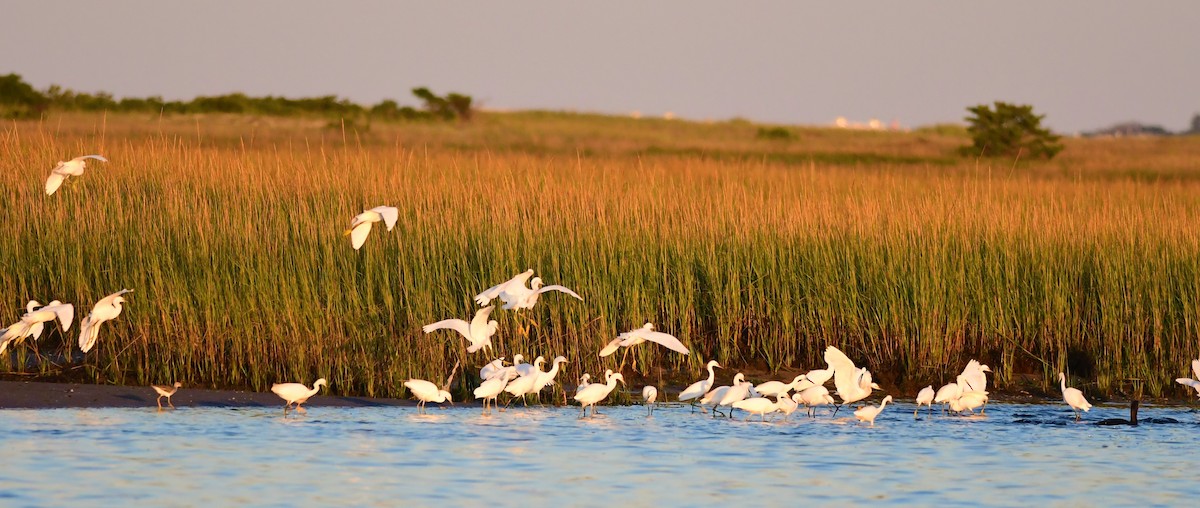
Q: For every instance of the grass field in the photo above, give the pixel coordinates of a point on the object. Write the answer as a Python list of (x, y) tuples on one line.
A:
[(755, 252)]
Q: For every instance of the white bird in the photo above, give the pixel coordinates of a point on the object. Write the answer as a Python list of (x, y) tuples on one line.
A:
[(817, 377), (32, 323), (853, 384), (924, 397), (1073, 397), (756, 406), (166, 391), (517, 296), (868, 413), (527, 369), (296, 393), (968, 401), (786, 405), (701, 387), (812, 397), (427, 392), (73, 167), (947, 393), (360, 225), (584, 381), (479, 331), (974, 375), (649, 394), (773, 388), (546, 378), (1194, 383), (639, 335), (523, 385), (490, 389), (491, 369), (714, 396), (107, 309), (597, 392), (739, 391)]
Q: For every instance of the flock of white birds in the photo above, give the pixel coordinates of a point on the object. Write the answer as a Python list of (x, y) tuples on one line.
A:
[(519, 380)]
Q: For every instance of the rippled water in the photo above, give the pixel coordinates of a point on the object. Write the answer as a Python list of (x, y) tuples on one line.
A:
[(1016, 455)]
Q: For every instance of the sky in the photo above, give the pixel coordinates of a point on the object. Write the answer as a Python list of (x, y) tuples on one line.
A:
[(1083, 64)]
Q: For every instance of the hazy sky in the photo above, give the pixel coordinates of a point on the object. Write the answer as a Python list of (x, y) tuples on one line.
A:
[(1085, 64)]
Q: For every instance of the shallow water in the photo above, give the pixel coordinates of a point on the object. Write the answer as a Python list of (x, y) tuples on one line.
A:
[(1016, 455)]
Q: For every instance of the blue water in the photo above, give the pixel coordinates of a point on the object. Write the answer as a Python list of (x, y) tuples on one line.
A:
[(1018, 455)]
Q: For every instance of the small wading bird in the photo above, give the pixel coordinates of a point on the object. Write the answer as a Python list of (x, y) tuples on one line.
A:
[(491, 388), (425, 392), (107, 309), (1073, 397), (516, 296), (479, 331), (813, 397), (924, 397), (649, 394), (73, 167), (756, 406), (597, 392), (853, 384), (868, 413), (166, 391), (296, 393), (547, 378), (1185, 381), (773, 388), (786, 405), (32, 323), (360, 225), (697, 390)]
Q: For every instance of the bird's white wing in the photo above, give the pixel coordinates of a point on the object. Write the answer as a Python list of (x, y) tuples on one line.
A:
[(358, 235), (517, 283), (611, 347), (1187, 381), (97, 157), (53, 183), (87, 339), (489, 294), (666, 340), (65, 313), (844, 371), (458, 325), (389, 213), (1196, 368), (480, 322), (556, 287), (35, 331)]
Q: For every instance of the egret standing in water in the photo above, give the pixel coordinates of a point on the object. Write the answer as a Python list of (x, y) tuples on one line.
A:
[(490, 389), (699, 388), (868, 413), (296, 393), (1073, 397), (360, 225), (73, 167), (924, 397), (107, 309), (426, 392), (166, 391), (649, 394), (853, 384), (597, 392)]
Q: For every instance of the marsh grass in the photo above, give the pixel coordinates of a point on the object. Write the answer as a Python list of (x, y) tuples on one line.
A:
[(758, 253)]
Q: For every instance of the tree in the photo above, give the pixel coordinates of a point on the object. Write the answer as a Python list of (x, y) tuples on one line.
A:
[(1009, 130), (18, 99)]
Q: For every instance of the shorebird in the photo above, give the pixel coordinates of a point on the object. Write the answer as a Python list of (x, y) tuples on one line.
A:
[(166, 391), (296, 393)]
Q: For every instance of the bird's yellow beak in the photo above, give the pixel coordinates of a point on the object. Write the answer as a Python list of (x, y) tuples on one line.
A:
[(347, 233)]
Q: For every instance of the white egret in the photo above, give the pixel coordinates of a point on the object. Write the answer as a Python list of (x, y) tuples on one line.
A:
[(107, 309), (523, 385), (166, 391), (639, 335), (817, 377), (546, 378), (853, 384), (73, 167), (32, 323), (868, 413), (360, 225), (296, 393), (490, 389), (1073, 397), (737, 392), (756, 406), (597, 392), (701, 387), (584, 381), (1194, 383), (812, 397), (974, 374), (527, 369), (491, 369), (786, 405), (426, 392), (947, 393), (479, 331), (968, 401), (715, 395), (649, 394), (773, 388), (516, 296), (924, 397)]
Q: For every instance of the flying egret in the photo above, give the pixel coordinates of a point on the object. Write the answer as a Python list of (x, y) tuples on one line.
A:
[(756, 406), (479, 331), (649, 394), (107, 309), (73, 167), (699, 388), (516, 296), (1194, 383), (166, 391), (490, 389), (296, 393), (427, 392), (597, 392), (812, 397), (639, 335), (924, 397), (853, 384), (773, 388), (32, 323), (360, 225), (491, 369), (786, 405), (868, 413), (1073, 397)]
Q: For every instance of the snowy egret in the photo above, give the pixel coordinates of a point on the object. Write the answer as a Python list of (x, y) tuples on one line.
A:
[(773, 388), (491, 369), (32, 323), (649, 394), (755, 406), (479, 331), (166, 391), (853, 384), (973, 373), (527, 369), (715, 395), (947, 393), (924, 397), (737, 392), (868, 413), (1194, 383), (296, 393), (360, 225), (812, 397), (523, 385), (427, 392), (546, 378), (490, 389), (968, 401), (701, 387), (817, 377), (516, 296), (107, 309), (639, 335), (584, 381), (1073, 397), (597, 392), (786, 405), (73, 167)]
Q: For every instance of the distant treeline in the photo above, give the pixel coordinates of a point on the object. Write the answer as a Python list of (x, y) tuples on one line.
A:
[(19, 99)]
